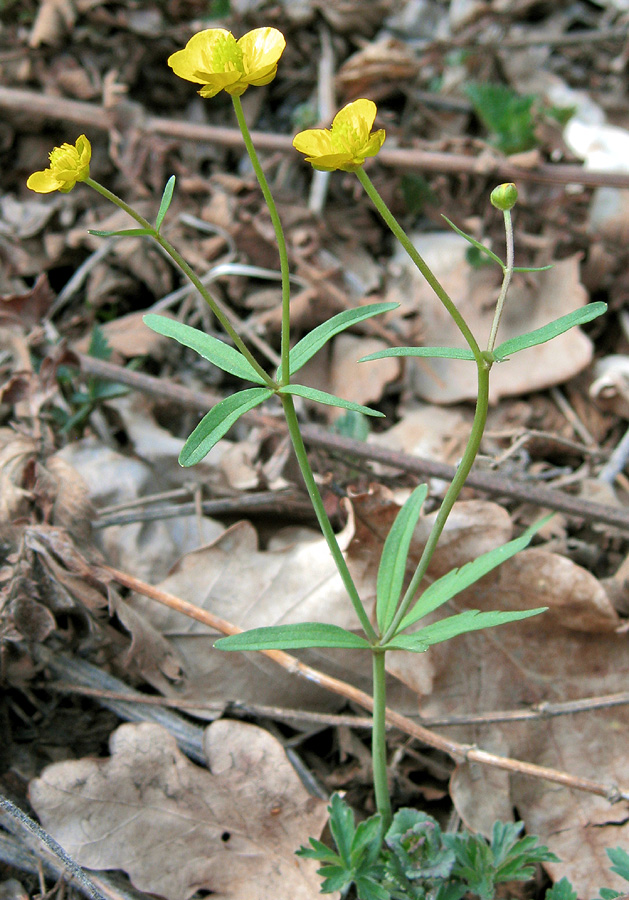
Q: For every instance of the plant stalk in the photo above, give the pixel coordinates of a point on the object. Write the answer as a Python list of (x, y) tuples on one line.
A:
[(379, 739)]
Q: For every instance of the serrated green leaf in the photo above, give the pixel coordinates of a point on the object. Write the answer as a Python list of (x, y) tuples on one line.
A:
[(293, 637), (456, 580), (311, 343), (620, 860), (452, 626), (220, 354), (392, 568), (342, 827), (217, 423), (167, 196), (550, 331), (128, 232), (474, 242), (436, 352), (561, 890), (300, 390)]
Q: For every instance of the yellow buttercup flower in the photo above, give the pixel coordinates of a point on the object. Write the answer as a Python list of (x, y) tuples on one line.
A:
[(215, 59), (68, 164), (346, 145)]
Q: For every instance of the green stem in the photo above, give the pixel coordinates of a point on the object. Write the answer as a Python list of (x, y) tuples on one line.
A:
[(423, 267), (322, 516), (178, 259), (379, 739), (506, 280), (467, 461), (279, 235)]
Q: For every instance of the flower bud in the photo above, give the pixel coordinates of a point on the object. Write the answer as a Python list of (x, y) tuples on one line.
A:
[(504, 197)]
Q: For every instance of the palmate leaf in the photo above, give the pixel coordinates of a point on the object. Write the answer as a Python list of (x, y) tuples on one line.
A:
[(300, 390), (435, 352), (311, 343), (293, 637), (218, 421), (550, 331), (392, 568), (455, 581), (220, 354), (167, 196), (470, 620)]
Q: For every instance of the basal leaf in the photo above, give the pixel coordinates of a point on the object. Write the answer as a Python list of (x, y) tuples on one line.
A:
[(550, 331), (300, 390), (217, 423), (437, 352), (319, 336), (220, 354), (129, 232), (455, 581), (293, 637), (392, 568), (167, 196), (474, 242), (470, 620)]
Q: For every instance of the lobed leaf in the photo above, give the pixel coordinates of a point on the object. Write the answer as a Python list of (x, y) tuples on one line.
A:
[(311, 343), (220, 354), (293, 637), (300, 390), (392, 568), (217, 423), (550, 331)]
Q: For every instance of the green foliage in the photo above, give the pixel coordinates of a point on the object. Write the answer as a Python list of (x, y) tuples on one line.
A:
[(353, 425), (167, 196), (507, 115), (215, 424), (293, 637), (561, 890), (416, 192), (417, 861), (550, 331), (309, 393)]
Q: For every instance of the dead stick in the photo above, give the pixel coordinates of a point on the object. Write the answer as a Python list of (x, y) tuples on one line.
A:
[(91, 115), (454, 749)]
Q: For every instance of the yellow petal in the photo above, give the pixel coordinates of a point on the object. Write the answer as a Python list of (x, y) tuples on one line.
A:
[(314, 142), (261, 51), (43, 182), (208, 53), (358, 114)]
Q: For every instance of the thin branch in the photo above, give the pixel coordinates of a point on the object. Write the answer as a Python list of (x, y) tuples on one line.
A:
[(454, 749)]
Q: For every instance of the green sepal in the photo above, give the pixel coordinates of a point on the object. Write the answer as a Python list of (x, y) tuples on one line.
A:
[(128, 232), (436, 352), (474, 242), (293, 637), (311, 343), (218, 421), (550, 331), (220, 354), (457, 580), (300, 390), (444, 629), (167, 196), (392, 568)]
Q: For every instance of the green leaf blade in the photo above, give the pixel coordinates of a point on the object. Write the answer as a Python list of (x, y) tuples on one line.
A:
[(474, 242), (453, 626), (311, 343), (300, 390), (217, 352), (550, 331), (124, 232), (435, 352), (167, 196), (217, 423), (293, 637), (392, 568)]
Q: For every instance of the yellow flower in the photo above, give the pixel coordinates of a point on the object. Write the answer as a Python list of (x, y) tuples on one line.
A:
[(68, 165), (215, 59), (346, 145)]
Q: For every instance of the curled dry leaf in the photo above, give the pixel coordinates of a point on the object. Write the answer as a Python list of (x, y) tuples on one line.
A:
[(176, 828)]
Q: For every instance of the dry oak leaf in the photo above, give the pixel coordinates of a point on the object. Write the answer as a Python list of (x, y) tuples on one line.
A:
[(176, 828)]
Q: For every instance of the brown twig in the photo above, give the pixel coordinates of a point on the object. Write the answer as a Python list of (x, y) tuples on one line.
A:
[(453, 749), (100, 118), (487, 482)]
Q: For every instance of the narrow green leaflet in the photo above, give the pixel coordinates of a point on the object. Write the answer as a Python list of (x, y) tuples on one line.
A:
[(129, 232), (300, 390), (532, 268), (293, 637), (455, 581), (550, 331), (217, 423), (438, 352), (319, 336), (167, 196), (474, 242), (222, 355), (392, 568), (470, 620)]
